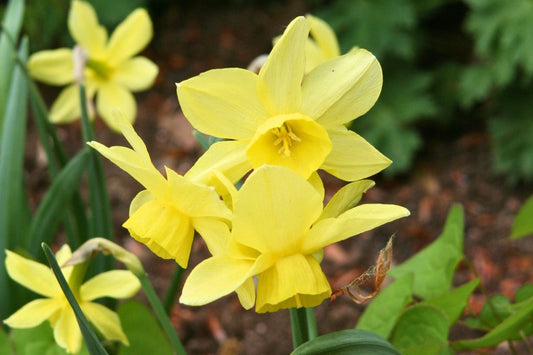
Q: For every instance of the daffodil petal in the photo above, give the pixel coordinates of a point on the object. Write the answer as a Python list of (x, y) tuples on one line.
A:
[(313, 55), (214, 232), (164, 229), (32, 275), (85, 29), (134, 164), (352, 157), (66, 108), (222, 103), (246, 293), (353, 83), (105, 320), (346, 197), (114, 283), (33, 313), (67, 333), (111, 96), (130, 37), (228, 157), (140, 199), (54, 67), (274, 195), (352, 222), (316, 181), (189, 193), (280, 77), (136, 74), (324, 37), (294, 141), (292, 282), (214, 278)]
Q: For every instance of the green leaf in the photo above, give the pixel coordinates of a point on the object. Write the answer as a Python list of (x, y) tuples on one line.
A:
[(93, 344), (11, 24), (523, 222), (434, 266), (454, 302), (422, 329), (524, 293), (13, 202), (384, 310), (507, 330), (143, 331), (345, 342), (5, 345), (496, 309), (55, 203), (39, 340)]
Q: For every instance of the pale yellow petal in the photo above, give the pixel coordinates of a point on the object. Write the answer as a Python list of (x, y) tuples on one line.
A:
[(293, 141), (105, 320), (130, 37), (214, 278), (67, 333), (33, 313), (246, 293), (85, 29), (352, 222), (353, 83), (32, 275), (275, 196), (140, 199), (54, 67), (313, 55), (136, 74), (214, 232), (195, 200), (294, 281), (352, 157), (281, 75), (164, 229), (316, 181), (114, 283), (66, 108), (228, 157), (62, 255), (112, 96), (222, 103), (324, 36), (346, 197), (224, 188)]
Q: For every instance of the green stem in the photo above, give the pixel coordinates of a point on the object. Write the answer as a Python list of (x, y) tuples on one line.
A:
[(173, 289), (161, 314), (303, 326)]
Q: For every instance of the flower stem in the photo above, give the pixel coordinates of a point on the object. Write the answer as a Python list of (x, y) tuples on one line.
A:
[(303, 325), (173, 289)]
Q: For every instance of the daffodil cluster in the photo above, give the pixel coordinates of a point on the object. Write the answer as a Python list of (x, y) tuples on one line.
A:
[(112, 71), (282, 124)]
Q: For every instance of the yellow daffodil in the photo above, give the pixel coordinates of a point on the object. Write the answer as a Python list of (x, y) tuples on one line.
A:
[(281, 117), (111, 73), (322, 45), (164, 215), (278, 232), (55, 307)]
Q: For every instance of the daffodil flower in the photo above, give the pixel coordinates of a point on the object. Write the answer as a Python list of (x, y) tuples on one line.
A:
[(165, 214), (279, 117), (111, 73), (55, 307), (278, 233), (322, 45)]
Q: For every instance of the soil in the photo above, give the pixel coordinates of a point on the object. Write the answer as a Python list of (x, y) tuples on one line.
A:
[(190, 39)]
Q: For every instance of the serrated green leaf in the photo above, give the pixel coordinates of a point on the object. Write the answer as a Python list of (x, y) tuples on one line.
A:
[(382, 313), (11, 24), (453, 303), (143, 331), (422, 329), (93, 344), (506, 330), (434, 266), (55, 203), (39, 340), (523, 222), (345, 342)]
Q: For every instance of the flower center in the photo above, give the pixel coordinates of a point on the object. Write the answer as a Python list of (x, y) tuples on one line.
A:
[(285, 137), (101, 70)]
